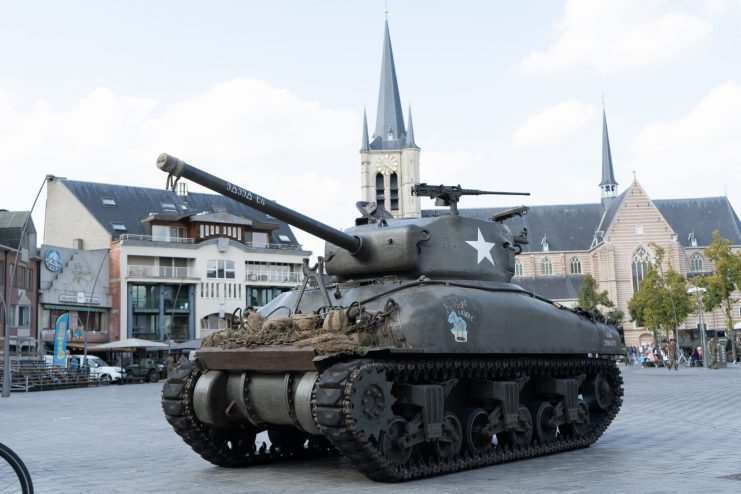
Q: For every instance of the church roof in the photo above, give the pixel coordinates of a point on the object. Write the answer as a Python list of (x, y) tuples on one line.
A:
[(131, 205), (571, 227)]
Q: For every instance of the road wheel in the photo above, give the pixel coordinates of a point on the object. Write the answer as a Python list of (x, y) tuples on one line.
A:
[(153, 376), (105, 380), (543, 426), (450, 444), (523, 434)]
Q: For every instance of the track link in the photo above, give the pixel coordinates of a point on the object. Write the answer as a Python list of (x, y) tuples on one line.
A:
[(334, 414)]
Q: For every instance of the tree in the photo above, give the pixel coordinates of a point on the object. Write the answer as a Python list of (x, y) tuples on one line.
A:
[(661, 301), (589, 298), (720, 285)]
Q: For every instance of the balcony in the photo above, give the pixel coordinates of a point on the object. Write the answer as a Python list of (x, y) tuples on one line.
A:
[(263, 245), (273, 277), (165, 272), (156, 238)]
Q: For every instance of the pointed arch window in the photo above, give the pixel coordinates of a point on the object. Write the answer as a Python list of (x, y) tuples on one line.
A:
[(518, 268), (639, 267), (546, 268), (575, 265), (696, 264)]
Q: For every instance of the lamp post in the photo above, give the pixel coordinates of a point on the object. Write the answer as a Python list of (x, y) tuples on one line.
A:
[(6, 341), (701, 319)]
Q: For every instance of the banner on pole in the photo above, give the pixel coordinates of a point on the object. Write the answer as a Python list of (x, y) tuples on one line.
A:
[(60, 340)]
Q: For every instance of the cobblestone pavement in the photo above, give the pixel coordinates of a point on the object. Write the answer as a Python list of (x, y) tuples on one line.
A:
[(678, 431)]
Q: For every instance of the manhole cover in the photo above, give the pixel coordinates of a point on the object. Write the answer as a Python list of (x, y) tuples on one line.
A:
[(735, 476)]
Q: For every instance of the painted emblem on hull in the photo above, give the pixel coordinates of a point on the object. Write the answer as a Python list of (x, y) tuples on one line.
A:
[(483, 248), (460, 327)]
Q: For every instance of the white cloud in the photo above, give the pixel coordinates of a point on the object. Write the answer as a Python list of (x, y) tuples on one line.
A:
[(704, 143), (621, 35), (264, 138), (555, 123)]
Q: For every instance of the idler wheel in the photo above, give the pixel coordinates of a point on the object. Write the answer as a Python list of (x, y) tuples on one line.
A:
[(451, 441), (287, 439), (598, 392), (523, 434), (475, 429), (579, 427), (389, 442), (543, 423)]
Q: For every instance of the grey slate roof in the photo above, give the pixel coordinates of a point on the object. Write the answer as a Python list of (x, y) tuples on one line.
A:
[(608, 177), (134, 204), (389, 118), (572, 227), (552, 287), (364, 146), (701, 216), (11, 227)]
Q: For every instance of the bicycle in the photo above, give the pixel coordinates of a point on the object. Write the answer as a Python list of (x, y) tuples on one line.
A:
[(683, 359), (14, 476)]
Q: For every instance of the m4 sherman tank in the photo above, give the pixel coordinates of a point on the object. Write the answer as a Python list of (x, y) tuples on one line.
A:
[(412, 356)]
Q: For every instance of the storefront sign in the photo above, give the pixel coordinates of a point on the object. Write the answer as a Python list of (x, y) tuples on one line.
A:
[(76, 299)]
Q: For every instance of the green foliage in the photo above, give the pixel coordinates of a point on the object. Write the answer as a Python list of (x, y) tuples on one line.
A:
[(725, 279), (589, 298), (662, 302)]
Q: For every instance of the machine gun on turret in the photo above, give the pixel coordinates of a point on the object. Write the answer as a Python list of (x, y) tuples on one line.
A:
[(449, 195)]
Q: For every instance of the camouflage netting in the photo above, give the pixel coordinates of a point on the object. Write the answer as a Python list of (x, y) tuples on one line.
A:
[(340, 330)]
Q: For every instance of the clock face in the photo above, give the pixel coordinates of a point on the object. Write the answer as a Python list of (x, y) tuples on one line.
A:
[(53, 260), (386, 164)]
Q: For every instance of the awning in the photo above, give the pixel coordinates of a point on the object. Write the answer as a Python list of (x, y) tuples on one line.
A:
[(78, 308)]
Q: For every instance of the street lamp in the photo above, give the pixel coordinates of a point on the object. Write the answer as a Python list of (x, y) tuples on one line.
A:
[(6, 341), (701, 319)]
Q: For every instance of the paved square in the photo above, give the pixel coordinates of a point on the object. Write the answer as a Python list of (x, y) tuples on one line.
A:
[(678, 431)]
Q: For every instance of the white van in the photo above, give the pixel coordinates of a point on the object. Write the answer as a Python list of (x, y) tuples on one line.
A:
[(99, 368)]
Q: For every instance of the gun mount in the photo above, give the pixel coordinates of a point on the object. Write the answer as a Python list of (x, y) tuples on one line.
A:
[(449, 195)]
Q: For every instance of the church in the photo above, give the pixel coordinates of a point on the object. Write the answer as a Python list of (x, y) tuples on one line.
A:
[(610, 239)]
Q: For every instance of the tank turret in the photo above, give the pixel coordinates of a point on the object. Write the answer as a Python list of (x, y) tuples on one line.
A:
[(447, 246)]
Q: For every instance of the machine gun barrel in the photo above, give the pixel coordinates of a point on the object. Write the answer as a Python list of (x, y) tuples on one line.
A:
[(178, 168)]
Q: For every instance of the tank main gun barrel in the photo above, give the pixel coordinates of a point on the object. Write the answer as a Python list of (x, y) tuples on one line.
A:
[(178, 168)]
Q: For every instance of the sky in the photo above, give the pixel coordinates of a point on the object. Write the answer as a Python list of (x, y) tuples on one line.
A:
[(270, 95)]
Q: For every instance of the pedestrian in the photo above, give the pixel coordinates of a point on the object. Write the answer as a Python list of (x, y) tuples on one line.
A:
[(713, 353), (694, 357), (672, 352), (182, 360), (170, 364)]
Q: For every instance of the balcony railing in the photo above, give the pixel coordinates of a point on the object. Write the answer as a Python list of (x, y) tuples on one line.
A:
[(156, 238), (263, 245), (158, 271), (273, 277)]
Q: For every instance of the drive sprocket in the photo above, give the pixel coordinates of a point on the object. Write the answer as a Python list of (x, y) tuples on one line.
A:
[(371, 403)]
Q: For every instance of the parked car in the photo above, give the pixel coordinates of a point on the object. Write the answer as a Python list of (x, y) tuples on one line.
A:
[(96, 366), (148, 369)]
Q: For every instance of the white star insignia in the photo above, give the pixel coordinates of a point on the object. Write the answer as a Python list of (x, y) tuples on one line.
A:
[(483, 248)]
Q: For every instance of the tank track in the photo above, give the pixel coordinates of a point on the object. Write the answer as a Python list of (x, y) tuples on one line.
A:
[(228, 447), (334, 412)]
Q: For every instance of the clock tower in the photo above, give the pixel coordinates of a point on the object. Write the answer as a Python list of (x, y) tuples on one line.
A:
[(389, 160)]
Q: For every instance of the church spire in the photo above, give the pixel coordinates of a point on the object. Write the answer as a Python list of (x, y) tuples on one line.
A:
[(410, 133), (608, 185), (389, 119), (364, 146)]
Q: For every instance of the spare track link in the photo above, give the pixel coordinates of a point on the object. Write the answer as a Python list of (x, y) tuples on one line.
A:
[(333, 413), (231, 447)]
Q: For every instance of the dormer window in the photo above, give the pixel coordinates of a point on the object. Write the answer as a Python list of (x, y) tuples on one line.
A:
[(108, 202), (693, 239), (544, 244)]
